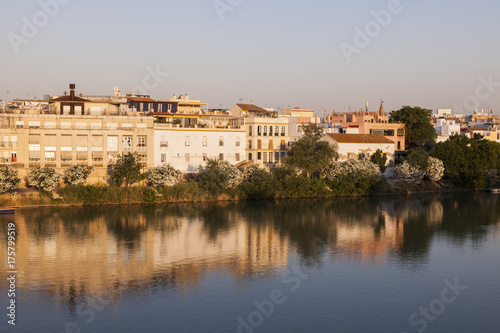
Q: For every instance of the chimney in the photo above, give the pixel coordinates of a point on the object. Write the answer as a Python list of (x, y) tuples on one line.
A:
[(72, 91)]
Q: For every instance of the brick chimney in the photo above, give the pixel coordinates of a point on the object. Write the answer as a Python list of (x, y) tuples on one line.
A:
[(72, 91)]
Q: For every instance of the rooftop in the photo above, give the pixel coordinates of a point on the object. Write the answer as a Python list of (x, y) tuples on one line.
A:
[(360, 138)]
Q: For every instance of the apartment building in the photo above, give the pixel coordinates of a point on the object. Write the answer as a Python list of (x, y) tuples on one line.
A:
[(72, 131), (268, 139)]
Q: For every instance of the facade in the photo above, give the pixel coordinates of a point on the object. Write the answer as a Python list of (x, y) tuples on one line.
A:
[(267, 139), (188, 148), (249, 110), (359, 146), (368, 123)]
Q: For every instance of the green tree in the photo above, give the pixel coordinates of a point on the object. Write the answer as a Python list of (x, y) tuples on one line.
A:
[(468, 160), (418, 127), (418, 157), (127, 169), (218, 176), (310, 153), (379, 159)]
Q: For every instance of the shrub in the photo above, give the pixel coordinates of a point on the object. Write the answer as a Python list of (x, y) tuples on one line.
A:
[(352, 177), (379, 159), (354, 168), (435, 169), (164, 175), (45, 179), (127, 170), (259, 184), (218, 176), (409, 173), (78, 174), (9, 179)]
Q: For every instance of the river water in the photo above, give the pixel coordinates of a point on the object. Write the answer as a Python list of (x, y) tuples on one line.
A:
[(426, 263)]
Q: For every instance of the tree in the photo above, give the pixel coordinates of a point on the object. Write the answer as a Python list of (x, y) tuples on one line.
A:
[(164, 175), (409, 173), (9, 179), (77, 174), (219, 175), (127, 169), (379, 159), (418, 158), (310, 153), (468, 159), (418, 127), (259, 183), (45, 179)]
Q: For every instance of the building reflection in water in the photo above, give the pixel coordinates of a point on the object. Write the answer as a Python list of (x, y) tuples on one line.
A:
[(73, 254)]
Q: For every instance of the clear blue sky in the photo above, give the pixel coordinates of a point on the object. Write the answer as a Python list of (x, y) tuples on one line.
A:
[(271, 52)]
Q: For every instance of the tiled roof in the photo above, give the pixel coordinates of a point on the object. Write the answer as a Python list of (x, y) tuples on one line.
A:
[(360, 138), (252, 108), (142, 99)]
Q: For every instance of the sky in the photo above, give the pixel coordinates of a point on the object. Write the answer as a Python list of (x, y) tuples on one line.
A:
[(321, 54)]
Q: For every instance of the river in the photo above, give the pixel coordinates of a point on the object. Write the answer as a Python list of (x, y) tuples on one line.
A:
[(422, 263)]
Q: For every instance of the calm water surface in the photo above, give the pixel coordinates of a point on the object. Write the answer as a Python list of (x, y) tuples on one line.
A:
[(399, 264)]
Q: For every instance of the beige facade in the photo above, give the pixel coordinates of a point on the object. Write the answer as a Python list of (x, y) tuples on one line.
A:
[(267, 139), (63, 140)]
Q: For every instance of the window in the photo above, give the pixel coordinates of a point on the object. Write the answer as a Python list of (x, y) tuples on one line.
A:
[(259, 155), (112, 158), (237, 155), (259, 145), (264, 157), (265, 130), (401, 132), (112, 126), (270, 131), (283, 130), (361, 156), (237, 141), (19, 124), (34, 143), (187, 157), (34, 124), (97, 157), (277, 157), (270, 157), (283, 145), (187, 141), (50, 125), (204, 141), (163, 158), (399, 145), (282, 154), (221, 141), (250, 130), (276, 131), (259, 130), (350, 156), (126, 142), (271, 144), (250, 157), (163, 141), (113, 143), (50, 156), (205, 157), (66, 156), (249, 144), (377, 131), (141, 143), (221, 157)]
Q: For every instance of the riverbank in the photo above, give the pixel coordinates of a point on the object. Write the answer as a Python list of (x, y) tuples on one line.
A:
[(192, 192)]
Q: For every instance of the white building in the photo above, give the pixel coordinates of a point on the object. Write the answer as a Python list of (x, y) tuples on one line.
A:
[(447, 128), (358, 146), (188, 148)]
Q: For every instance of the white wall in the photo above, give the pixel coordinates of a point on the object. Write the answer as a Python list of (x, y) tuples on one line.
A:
[(175, 153)]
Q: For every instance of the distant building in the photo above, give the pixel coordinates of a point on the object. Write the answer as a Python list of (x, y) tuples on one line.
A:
[(359, 146), (366, 122)]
